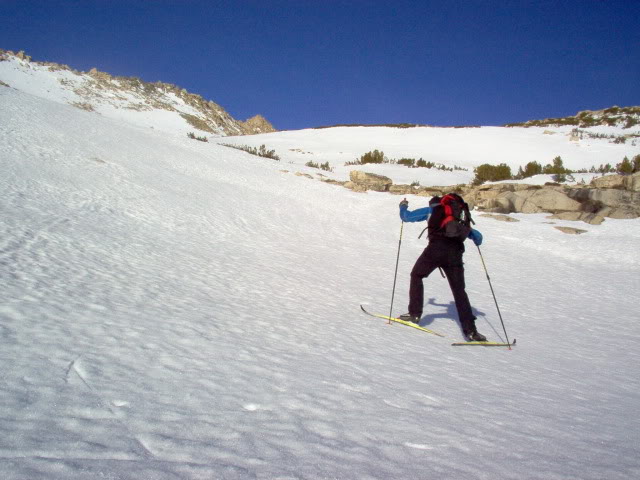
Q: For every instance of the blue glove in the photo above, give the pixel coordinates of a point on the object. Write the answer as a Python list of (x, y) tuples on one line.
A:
[(476, 236)]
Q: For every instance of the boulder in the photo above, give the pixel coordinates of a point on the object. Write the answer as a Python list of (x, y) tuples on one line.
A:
[(370, 181), (621, 212), (551, 200), (484, 196), (609, 181), (548, 199), (632, 182)]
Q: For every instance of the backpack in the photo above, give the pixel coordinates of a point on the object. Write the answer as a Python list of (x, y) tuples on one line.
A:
[(457, 218)]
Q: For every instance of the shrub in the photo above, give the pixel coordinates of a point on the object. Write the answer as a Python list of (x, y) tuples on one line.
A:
[(193, 136), (559, 178), (409, 162), (261, 152), (492, 173), (326, 167), (556, 168), (372, 157), (530, 169), (625, 167), (636, 164), (322, 166)]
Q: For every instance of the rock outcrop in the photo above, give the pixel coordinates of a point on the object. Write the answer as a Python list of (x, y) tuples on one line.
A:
[(613, 196), (362, 181), (257, 124)]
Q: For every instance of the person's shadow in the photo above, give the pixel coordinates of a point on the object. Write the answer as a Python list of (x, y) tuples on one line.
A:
[(451, 313)]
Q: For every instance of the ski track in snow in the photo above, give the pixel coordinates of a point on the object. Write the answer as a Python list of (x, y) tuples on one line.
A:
[(172, 309)]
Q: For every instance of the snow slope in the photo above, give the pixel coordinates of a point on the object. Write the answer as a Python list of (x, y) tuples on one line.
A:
[(175, 309), (461, 147)]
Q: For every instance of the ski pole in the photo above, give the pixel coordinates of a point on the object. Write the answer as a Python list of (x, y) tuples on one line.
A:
[(494, 296), (395, 276)]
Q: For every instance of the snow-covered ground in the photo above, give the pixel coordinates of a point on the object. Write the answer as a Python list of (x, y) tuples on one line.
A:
[(176, 309), (460, 147)]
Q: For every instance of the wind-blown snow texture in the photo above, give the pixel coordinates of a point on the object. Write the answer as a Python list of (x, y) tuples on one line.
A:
[(175, 309)]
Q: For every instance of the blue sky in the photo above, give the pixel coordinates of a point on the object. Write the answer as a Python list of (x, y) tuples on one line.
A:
[(311, 63)]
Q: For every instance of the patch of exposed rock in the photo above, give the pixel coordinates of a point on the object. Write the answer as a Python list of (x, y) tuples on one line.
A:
[(571, 230), (257, 124)]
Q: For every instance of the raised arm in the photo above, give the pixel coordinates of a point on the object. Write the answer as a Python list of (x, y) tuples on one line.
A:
[(418, 215)]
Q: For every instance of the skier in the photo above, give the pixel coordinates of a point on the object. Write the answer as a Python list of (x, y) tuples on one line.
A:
[(445, 253)]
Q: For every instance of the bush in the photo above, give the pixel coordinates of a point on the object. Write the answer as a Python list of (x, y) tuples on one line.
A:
[(559, 177), (625, 167), (261, 152), (492, 173), (556, 168), (530, 169), (322, 166), (194, 137), (409, 162), (372, 157), (636, 164)]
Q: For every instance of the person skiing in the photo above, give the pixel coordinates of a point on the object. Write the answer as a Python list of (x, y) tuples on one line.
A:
[(444, 252)]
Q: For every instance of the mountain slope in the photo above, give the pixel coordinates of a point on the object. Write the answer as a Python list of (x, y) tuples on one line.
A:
[(157, 105), (176, 309)]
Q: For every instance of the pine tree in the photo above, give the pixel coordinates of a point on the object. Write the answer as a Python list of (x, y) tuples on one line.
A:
[(625, 167)]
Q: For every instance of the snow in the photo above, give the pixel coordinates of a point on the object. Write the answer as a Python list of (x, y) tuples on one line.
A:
[(178, 309), (460, 147)]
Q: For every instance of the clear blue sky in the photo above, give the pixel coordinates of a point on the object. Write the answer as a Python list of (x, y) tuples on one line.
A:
[(309, 63)]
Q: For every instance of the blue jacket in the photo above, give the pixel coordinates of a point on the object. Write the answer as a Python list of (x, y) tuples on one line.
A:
[(419, 215)]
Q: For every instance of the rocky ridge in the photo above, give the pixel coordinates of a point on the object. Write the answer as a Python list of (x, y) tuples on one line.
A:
[(625, 117), (95, 89)]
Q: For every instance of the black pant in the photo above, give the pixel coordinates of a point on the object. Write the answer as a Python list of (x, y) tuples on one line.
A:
[(448, 256)]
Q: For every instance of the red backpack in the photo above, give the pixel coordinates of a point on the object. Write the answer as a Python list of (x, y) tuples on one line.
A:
[(457, 218)]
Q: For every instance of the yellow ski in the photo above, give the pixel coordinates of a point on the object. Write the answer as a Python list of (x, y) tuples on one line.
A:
[(485, 344), (397, 320)]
